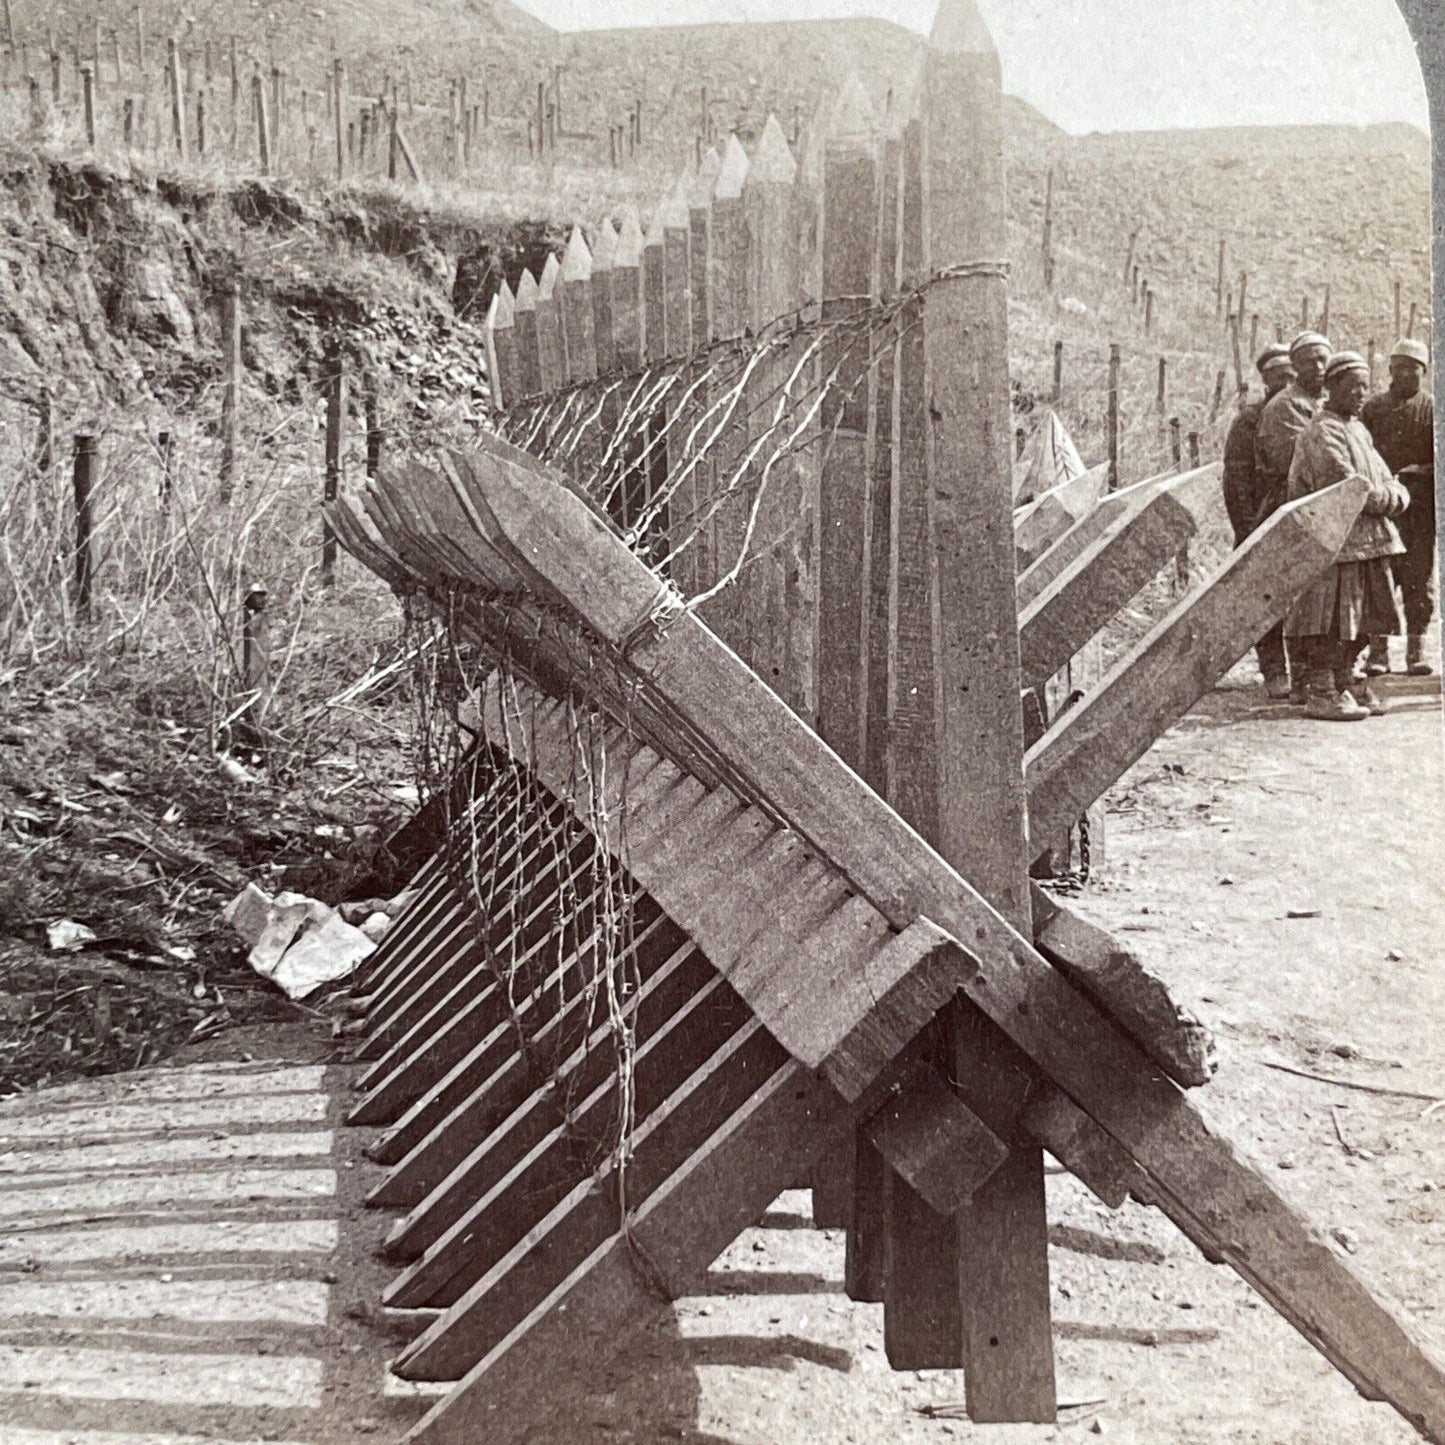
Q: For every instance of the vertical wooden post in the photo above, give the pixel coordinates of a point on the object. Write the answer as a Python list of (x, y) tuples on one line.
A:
[(1218, 401), (627, 306), (230, 387), (1176, 453), (115, 57), (541, 117), (550, 355), (55, 82), (165, 444), (1325, 311), (173, 81), (1048, 237), (1370, 360), (1243, 305), (201, 123), (612, 138), (255, 666), (1228, 309), (466, 117), (780, 587), (1219, 285), (334, 381), (263, 129), (527, 346), (45, 431), (1159, 399), (1397, 311), (850, 181), (501, 353), (1000, 1235), (1194, 451), (84, 478), (575, 308), (1112, 417), (128, 122), (273, 131), (338, 104), (140, 43), (1410, 322), (87, 85), (1254, 336), (1058, 370), (1240, 385)]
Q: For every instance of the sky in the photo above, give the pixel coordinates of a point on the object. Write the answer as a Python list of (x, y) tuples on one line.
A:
[(1135, 64)]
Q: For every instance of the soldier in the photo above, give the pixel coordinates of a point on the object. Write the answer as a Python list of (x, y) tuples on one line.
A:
[(1333, 620), (1402, 423), (1285, 416), (1242, 499)]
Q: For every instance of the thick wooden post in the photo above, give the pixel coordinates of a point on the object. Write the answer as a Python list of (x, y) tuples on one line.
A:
[(1112, 420), (338, 106), (501, 347), (334, 382), (87, 83), (781, 590), (178, 110), (1160, 395), (230, 386), (255, 667), (85, 478), (1058, 370), (263, 130), (579, 335), (551, 356), (1001, 1233), (528, 348)]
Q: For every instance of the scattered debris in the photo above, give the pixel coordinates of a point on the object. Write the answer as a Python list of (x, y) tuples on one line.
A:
[(1304, 913), (65, 935), (296, 942), (1434, 1100)]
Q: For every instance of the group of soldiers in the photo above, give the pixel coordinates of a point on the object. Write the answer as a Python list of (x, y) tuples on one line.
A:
[(1317, 425)]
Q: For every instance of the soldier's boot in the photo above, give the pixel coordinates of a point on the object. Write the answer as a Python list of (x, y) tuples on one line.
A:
[(1377, 660), (1327, 702), (1415, 662), (1299, 693), (1365, 696), (1277, 686)]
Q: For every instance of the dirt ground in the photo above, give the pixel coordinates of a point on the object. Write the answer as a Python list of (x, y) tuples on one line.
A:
[(1243, 815)]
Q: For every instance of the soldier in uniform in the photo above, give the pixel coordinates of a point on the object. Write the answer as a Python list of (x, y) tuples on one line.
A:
[(1243, 501), (1332, 621), (1284, 417), (1402, 423)]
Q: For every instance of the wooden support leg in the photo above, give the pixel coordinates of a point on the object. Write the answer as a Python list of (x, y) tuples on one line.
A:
[(865, 1270)]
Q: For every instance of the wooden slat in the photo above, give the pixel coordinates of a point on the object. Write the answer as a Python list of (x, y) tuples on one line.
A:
[(1078, 1143), (1183, 656), (551, 354), (528, 345), (501, 348), (1083, 599), (603, 254), (611, 1296), (1044, 521)]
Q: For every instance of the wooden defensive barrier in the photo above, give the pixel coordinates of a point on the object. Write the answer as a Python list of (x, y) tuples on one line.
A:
[(733, 887)]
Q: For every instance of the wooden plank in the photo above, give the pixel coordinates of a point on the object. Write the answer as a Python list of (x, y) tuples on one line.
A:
[(1216, 1199), (1083, 599), (1110, 512), (1183, 656), (612, 1297), (1081, 1146), (604, 253), (1116, 978), (937, 1146), (1039, 525)]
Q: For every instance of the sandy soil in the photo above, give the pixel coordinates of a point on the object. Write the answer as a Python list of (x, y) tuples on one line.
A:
[(1242, 815)]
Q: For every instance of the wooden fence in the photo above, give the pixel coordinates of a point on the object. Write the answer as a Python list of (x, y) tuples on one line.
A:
[(779, 748)]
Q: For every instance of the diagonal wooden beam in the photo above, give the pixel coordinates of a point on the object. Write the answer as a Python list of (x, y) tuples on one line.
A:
[(1086, 595), (1183, 656)]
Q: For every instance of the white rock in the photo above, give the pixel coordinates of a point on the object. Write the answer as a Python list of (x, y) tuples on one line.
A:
[(65, 935), (376, 927), (247, 913), (323, 954)]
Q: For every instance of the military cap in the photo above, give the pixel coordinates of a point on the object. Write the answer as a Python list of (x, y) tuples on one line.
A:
[(1412, 350), (1343, 361), (1275, 354), (1309, 338)]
